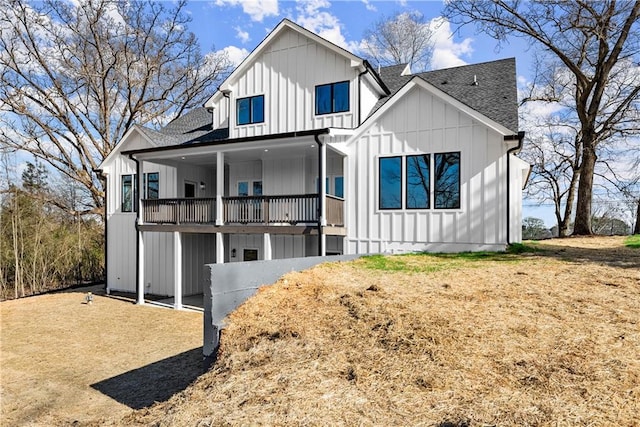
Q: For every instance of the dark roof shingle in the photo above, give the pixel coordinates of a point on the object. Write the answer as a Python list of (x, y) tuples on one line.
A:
[(495, 94)]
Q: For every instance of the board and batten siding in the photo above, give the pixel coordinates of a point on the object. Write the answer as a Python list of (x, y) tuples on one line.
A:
[(420, 123), (286, 73)]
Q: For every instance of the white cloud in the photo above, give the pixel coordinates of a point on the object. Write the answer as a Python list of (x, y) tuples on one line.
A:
[(311, 16), (256, 9), (446, 52), (242, 35), (369, 6), (235, 54)]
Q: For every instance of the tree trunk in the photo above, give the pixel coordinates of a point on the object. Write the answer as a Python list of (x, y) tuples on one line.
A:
[(582, 225), (636, 229)]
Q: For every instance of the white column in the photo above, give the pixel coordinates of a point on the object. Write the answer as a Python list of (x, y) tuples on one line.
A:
[(139, 220), (220, 248), (323, 185), (177, 270), (266, 247), (323, 198), (219, 188), (140, 268)]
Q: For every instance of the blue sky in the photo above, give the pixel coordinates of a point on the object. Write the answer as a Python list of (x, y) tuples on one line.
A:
[(237, 26)]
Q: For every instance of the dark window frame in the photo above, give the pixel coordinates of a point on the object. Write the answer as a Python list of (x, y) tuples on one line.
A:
[(380, 159), (147, 184), (458, 181), (332, 97), (252, 119), (133, 191), (432, 194), (407, 186)]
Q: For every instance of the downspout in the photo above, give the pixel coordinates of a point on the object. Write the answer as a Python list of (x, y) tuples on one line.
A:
[(320, 184), (366, 70), (512, 150), (138, 213)]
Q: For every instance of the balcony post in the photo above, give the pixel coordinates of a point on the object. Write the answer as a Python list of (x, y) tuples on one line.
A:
[(220, 248), (140, 235), (177, 272), (219, 188), (322, 198), (266, 249)]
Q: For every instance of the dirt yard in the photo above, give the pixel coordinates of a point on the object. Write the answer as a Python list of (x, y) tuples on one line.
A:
[(62, 360), (544, 338)]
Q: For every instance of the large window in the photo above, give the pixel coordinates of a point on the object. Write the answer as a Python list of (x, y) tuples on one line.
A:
[(417, 182), (250, 110), (332, 98), (390, 183), (447, 181), (411, 177)]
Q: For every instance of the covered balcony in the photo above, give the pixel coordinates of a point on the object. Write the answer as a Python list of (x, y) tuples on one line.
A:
[(301, 209)]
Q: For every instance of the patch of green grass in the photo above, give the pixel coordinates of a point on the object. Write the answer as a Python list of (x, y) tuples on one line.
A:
[(426, 262), (633, 241), (521, 248)]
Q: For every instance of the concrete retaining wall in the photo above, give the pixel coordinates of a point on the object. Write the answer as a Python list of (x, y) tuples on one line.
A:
[(229, 285)]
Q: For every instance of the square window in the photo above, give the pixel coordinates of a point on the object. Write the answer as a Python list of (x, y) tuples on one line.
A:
[(332, 98), (250, 110)]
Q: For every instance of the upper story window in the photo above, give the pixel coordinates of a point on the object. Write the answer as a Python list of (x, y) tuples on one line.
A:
[(412, 176), (151, 185), (129, 190), (250, 110), (128, 193), (332, 98)]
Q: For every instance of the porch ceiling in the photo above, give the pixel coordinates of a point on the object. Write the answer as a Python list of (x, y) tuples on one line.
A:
[(305, 147)]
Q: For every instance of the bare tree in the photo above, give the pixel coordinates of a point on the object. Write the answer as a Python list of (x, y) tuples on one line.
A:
[(399, 39), (598, 44), (74, 78)]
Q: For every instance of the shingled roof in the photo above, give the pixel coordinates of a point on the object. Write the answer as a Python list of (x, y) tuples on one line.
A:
[(494, 95)]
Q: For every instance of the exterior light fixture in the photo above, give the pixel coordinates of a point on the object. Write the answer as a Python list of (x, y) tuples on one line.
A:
[(202, 185), (233, 253)]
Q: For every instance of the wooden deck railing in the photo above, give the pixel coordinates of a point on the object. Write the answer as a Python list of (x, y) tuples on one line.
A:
[(266, 210), (179, 211), (335, 211), (271, 209)]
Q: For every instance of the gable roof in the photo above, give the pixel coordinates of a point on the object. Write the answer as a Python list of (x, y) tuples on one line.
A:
[(285, 24), (495, 94)]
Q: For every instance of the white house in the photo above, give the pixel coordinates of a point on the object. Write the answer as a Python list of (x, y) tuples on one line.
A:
[(409, 162)]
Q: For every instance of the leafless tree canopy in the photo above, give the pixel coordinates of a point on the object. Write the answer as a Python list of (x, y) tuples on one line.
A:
[(399, 39), (596, 44), (75, 78)]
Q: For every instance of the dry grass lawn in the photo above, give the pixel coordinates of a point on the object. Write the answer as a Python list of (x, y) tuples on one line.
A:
[(64, 361), (543, 338)]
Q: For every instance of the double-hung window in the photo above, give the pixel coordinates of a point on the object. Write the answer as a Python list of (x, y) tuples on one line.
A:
[(250, 110), (418, 181), (332, 98)]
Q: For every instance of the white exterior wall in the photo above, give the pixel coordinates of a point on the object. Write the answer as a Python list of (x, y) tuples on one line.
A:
[(159, 247), (423, 123), (286, 73), (245, 171), (368, 98)]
